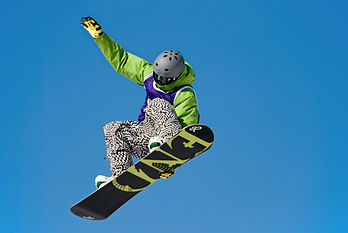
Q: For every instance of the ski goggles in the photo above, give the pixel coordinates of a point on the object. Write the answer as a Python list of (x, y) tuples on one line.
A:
[(161, 80)]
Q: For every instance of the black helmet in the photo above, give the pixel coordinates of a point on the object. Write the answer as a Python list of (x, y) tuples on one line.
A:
[(168, 66)]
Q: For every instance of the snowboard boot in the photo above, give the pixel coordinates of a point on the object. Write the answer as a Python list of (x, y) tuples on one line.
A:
[(155, 142), (101, 181)]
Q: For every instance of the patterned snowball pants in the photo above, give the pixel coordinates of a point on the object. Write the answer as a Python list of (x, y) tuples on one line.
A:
[(124, 139)]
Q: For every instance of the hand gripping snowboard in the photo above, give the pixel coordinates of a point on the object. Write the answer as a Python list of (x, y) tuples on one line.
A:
[(187, 144)]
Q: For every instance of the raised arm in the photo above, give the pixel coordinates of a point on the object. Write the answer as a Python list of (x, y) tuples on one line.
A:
[(127, 64)]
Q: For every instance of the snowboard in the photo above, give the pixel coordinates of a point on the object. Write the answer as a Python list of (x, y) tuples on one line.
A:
[(187, 144)]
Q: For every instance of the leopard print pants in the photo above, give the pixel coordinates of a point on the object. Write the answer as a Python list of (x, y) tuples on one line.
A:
[(124, 139)]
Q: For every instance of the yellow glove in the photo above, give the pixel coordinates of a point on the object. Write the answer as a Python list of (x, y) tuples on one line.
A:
[(92, 27)]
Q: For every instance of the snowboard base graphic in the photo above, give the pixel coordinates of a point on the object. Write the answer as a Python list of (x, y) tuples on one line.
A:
[(187, 144)]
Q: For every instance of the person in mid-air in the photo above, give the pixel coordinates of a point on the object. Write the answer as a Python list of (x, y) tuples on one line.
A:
[(169, 106)]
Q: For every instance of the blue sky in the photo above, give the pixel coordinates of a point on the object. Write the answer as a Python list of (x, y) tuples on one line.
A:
[(271, 83)]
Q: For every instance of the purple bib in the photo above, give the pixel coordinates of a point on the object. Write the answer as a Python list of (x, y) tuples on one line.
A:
[(153, 92)]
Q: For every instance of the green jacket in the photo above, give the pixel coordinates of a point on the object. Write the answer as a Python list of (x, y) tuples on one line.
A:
[(136, 69)]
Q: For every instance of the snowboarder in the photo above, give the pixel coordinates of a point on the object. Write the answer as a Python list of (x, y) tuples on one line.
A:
[(170, 102)]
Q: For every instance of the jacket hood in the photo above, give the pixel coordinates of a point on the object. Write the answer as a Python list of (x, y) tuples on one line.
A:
[(187, 77)]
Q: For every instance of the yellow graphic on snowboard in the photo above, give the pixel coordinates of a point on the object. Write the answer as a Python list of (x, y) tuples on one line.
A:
[(165, 168)]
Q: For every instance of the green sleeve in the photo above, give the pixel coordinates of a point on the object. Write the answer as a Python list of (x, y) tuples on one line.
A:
[(127, 64), (186, 107)]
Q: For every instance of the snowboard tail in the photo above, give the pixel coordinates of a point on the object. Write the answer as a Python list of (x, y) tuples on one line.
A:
[(187, 144)]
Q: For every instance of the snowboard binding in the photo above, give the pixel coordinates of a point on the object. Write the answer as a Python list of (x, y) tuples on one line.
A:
[(155, 142)]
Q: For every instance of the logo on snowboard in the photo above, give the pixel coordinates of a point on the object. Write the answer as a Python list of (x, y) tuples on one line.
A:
[(195, 128)]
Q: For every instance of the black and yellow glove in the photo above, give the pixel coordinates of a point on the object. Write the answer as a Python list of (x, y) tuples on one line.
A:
[(92, 27)]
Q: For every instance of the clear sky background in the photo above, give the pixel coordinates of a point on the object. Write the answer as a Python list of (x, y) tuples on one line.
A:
[(271, 83)]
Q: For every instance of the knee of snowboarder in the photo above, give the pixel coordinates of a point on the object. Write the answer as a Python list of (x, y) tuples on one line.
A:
[(160, 104), (157, 107), (108, 128), (162, 113)]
